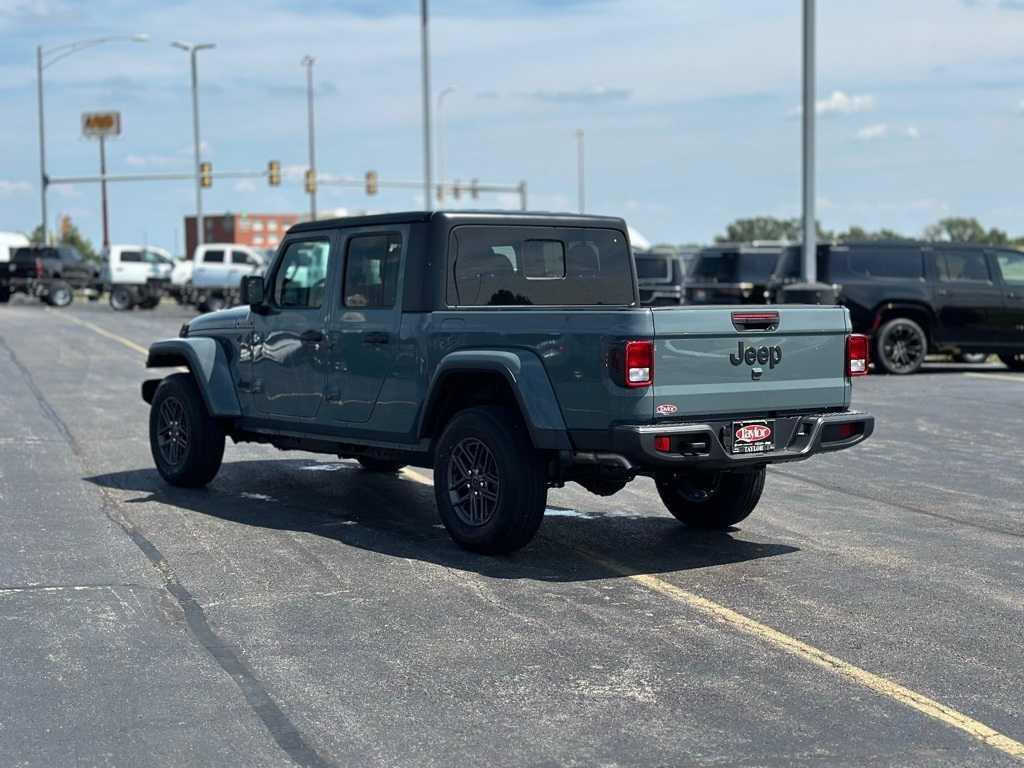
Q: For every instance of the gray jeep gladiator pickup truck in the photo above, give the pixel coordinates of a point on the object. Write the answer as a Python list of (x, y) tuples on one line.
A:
[(510, 353)]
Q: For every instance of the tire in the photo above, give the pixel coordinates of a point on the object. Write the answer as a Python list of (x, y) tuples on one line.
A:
[(1013, 360), (214, 304), (971, 358), (150, 303), (489, 445), (900, 346), (59, 294), (380, 465), (121, 298), (5, 294), (193, 454), (712, 500)]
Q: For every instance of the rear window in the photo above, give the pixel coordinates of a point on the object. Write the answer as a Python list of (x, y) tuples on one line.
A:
[(651, 268), (538, 266), (733, 267), (870, 263)]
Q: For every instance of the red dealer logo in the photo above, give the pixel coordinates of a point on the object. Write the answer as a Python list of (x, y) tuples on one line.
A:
[(753, 433)]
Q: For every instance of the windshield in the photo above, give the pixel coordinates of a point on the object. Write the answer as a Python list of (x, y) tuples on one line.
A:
[(734, 267), (649, 268)]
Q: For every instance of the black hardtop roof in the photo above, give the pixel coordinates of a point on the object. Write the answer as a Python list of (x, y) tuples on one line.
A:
[(452, 218), (937, 244)]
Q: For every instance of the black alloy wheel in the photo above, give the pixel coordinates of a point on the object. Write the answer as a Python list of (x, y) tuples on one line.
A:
[(902, 346), (474, 486), (174, 434)]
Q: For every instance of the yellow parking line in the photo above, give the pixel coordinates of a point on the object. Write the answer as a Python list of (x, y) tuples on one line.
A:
[(999, 376), (104, 332), (791, 645)]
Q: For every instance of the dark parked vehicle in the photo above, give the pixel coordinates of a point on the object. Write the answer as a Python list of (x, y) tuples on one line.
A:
[(732, 274), (661, 274), (920, 298), (508, 352), (50, 273)]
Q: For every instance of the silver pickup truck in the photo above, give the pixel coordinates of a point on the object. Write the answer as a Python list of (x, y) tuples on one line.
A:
[(510, 353)]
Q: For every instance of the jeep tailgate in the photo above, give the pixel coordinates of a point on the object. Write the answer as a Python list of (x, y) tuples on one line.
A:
[(738, 361)]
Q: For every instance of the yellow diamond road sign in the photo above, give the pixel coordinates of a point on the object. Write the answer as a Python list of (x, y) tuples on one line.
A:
[(101, 124)]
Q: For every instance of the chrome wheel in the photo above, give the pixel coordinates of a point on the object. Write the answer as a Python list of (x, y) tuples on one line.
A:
[(173, 432), (474, 487), (904, 348)]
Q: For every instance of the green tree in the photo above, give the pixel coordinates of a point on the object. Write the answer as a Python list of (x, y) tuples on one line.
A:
[(964, 230), (861, 234), (69, 235), (767, 228)]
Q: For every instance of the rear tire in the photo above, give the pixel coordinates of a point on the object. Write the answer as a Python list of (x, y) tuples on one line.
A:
[(5, 294), (1013, 360), (380, 465), (59, 294), (900, 346), (150, 303), (186, 442), (120, 298), (712, 500), (489, 481)]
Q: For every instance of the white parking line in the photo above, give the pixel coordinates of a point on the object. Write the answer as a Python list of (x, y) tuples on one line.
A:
[(998, 376)]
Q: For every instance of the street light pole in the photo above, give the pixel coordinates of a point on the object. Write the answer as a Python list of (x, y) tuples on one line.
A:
[(579, 167), (441, 144), (57, 53), (103, 193), (810, 271), (192, 50), (307, 62), (428, 183)]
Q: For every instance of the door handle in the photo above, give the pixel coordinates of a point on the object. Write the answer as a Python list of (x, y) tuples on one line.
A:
[(376, 337), (311, 337)]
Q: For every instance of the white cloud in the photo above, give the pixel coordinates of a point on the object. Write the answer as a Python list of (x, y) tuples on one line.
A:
[(14, 188), (1020, 107), (841, 103), (873, 132), (912, 133)]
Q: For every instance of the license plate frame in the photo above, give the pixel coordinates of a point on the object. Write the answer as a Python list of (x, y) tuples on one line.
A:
[(752, 445)]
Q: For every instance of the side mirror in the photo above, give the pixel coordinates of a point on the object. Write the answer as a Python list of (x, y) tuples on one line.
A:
[(253, 290)]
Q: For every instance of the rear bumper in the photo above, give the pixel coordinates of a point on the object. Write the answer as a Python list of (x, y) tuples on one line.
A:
[(705, 445)]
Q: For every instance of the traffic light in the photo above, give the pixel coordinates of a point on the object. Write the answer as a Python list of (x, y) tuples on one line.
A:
[(206, 174), (474, 189), (310, 180), (274, 173), (371, 182)]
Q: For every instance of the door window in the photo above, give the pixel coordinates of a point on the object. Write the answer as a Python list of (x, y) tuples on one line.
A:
[(1011, 265), (213, 257), (371, 270), (302, 274), (131, 257), (239, 257), (956, 266)]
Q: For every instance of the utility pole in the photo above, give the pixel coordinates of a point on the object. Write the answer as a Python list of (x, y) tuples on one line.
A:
[(307, 62), (441, 144), (810, 270), (192, 50), (42, 137), (579, 168), (428, 184), (103, 192)]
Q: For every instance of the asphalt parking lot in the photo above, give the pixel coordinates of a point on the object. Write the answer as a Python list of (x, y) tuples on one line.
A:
[(300, 610)]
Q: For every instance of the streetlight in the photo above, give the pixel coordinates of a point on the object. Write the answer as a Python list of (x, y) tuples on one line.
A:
[(810, 224), (440, 143), (307, 62), (425, 68), (55, 54), (192, 49)]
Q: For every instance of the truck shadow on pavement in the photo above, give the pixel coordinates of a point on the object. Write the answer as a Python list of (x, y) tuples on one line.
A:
[(395, 516)]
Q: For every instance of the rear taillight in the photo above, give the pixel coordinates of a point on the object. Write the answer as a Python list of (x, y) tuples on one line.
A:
[(857, 356), (40, 272), (639, 367)]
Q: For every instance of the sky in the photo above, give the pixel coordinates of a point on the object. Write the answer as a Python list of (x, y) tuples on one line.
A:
[(690, 108)]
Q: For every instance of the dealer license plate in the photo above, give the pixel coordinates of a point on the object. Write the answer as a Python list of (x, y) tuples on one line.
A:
[(753, 436)]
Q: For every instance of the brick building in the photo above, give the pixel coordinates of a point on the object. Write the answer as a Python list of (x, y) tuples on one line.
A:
[(260, 230)]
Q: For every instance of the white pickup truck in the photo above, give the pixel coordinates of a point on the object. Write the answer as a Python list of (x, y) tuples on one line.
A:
[(217, 272), (136, 275)]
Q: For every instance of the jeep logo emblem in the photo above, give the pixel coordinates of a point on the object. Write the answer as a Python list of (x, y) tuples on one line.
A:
[(766, 355)]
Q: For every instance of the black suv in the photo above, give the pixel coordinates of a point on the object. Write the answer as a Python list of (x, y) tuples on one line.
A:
[(915, 298), (732, 273), (50, 273), (661, 273)]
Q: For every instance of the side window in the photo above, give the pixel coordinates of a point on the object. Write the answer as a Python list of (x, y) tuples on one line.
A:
[(302, 274), (131, 257), (962, 265), (239, 257), (1011, 265), (902, 263), (213, 257), (371, 270)]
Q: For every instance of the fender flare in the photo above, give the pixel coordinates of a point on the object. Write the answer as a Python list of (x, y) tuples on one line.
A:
[(206, 360), (528, 381)]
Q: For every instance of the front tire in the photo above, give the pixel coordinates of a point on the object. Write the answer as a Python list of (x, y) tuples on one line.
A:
[(901, 346), (712, 500), (186, 442), (1013, 360), (380, 465), (59, 294), (121, 298), (489, 481)]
